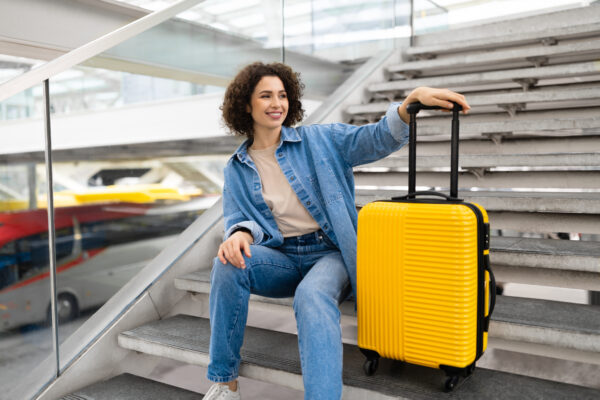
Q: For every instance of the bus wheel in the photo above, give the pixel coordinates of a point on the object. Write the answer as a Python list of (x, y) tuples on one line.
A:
[(66, 308)]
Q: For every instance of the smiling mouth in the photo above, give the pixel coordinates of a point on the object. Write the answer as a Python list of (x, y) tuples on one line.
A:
[(275, 114)]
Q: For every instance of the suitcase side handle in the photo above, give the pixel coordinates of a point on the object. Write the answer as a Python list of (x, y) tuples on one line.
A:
[(413, 109), (492, 295)]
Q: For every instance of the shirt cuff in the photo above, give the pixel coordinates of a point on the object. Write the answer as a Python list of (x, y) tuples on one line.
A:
[(253, 227), (398, 128)]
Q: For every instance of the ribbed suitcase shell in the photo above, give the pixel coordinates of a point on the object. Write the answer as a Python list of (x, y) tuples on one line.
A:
[(418, 266)]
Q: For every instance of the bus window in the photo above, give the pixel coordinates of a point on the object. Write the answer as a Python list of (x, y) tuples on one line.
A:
[(8, 265)]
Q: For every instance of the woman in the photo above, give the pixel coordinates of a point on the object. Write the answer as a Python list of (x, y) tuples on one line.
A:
[(290, 220)]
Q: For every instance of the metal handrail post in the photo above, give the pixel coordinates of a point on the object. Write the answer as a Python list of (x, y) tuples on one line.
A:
[(283, 31), (51, 225), (412, 23)]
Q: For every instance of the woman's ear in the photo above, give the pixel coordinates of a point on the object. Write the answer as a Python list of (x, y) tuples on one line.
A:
[(248, 109)]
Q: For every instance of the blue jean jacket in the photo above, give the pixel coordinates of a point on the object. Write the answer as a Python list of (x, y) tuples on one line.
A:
[(317, 160)]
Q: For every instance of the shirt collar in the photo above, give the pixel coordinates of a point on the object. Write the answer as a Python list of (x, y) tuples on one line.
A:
[(287, 135)]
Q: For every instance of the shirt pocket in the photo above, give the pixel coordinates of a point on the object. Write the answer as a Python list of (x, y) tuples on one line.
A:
[(325, 185)]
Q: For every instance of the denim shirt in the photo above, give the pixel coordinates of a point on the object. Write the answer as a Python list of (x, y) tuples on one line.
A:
[(317, 161)]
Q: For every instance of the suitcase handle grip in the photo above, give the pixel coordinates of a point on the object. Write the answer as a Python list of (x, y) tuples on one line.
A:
[(413, 109), (413, 195)]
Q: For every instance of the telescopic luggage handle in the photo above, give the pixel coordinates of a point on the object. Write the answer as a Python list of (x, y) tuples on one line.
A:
[(413, 109)]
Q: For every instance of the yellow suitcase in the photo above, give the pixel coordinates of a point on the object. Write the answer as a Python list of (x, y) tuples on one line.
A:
[(425, 290)]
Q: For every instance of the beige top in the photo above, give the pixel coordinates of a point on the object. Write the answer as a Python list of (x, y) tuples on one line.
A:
[(290, 215)]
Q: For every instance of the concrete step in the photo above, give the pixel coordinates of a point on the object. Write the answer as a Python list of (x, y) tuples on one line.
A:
[(273, 356), (571, 255), (546, 36), (558, 324), (483, 178), (510, 101), (530, 202), (568, 255), (516, 57), (548, 262), (554, 123), (520, 77), (131, 387), (494, 160), (508, 145), (199, 282), (538, 212)]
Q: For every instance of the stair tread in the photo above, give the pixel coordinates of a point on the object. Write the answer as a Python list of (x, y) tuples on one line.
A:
[(510, 39), (475, 100), (279, 351), (582, 46), (533, 202), (559, 248), (567, 317), (573, 252), (131, 387), (574, 159), (530, 124), (480, 78), (575, 318)]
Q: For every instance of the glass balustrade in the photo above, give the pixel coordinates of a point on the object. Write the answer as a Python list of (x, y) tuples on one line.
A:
[(25, 328)]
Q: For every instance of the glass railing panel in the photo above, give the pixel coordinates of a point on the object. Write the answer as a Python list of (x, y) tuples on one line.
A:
[(25, 331), (335, 30), (132, 129), (84, 89), (346, 30), (23, 105), (211, 47), (11, 67), (438, 15)]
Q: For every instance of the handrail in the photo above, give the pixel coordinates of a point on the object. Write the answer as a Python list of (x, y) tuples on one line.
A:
[(91, 49), (438, 6)]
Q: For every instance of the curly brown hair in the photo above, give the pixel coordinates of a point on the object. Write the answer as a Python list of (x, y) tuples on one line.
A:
[(239, 92)]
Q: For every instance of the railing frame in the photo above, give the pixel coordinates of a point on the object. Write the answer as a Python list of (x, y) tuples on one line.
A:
[(91, 49)]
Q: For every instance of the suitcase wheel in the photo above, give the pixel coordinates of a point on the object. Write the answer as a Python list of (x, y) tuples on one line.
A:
[(370, 366), (451, 383)]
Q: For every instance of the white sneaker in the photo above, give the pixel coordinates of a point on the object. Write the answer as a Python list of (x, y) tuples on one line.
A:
[(222, 392)]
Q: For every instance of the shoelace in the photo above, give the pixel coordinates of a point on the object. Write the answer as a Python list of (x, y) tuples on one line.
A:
[(219, 390)]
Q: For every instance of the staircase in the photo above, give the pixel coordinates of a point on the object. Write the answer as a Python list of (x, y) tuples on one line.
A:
[(530, 147)]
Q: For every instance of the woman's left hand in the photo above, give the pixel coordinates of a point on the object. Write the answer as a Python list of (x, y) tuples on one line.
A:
[(433, 97)]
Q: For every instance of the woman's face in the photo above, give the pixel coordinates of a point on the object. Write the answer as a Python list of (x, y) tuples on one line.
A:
[(268, 104)]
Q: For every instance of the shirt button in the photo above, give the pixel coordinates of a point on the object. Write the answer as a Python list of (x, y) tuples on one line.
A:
[(325, 226), (292, 178), (308, 203), (280, 155)]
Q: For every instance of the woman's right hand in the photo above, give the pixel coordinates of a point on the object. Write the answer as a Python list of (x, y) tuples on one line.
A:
[(231, 249)]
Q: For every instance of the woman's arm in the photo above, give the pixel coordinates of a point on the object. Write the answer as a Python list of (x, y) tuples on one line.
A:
[(239, 232), (359, 145)]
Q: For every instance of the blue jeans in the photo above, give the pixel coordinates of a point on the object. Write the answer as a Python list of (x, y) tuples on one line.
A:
[(311, 269)]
